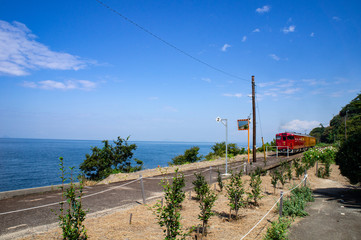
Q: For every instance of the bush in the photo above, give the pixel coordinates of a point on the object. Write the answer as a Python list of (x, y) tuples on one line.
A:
[(235, 191), (200, 185), (109, 159), (349, 158), (219, 149), (294, 205), (278, 230), (189, 156), (255, 185), (168, 215), (71, 220)]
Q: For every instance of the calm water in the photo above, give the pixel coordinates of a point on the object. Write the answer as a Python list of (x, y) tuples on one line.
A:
[(27, 163)]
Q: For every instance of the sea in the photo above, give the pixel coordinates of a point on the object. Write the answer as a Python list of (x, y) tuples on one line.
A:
[(29, 163)]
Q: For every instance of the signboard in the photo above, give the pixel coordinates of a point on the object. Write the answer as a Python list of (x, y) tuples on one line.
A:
[(242, 124)]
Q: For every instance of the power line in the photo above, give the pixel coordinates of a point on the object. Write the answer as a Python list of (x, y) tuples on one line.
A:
[(168, 43)]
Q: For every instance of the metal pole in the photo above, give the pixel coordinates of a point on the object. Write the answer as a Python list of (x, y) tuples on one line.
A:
[(254, 120)]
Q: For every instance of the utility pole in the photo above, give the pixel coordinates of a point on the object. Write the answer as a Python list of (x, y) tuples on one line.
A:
[(254, 120)]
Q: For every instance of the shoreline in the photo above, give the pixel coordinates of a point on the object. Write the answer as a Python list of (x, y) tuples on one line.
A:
[(159, 171)]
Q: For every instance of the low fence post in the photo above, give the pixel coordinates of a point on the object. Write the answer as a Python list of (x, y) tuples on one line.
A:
[(281, 204), (142, 187)]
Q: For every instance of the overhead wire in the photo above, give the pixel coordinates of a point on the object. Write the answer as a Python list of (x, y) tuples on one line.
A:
[(259, 115), (170, 44)]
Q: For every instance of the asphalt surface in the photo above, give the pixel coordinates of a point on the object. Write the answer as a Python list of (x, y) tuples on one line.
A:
[(335, 214), (25, 213)]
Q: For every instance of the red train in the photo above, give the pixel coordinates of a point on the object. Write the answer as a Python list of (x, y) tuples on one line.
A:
[(294, 142)]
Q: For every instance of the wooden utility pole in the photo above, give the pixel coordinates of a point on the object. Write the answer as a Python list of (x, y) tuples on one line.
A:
[(254, 119)]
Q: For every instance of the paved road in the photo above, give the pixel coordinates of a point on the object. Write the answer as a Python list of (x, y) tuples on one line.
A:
[(13, 217), (335, 215)]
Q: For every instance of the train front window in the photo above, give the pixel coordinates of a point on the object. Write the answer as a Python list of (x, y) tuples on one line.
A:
[(278, 137), (291, 138)]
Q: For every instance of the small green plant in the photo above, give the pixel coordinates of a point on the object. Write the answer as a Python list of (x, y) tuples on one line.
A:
[(235, 191), (274, 180), (278, 230), (282, 178), (219, 179), (255, 185), (168, 215), (71, 220), (200, 185), (206, 204), (294, 205), (289, 172)]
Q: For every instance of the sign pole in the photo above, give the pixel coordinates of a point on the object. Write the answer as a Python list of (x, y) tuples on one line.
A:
[(248, 141)]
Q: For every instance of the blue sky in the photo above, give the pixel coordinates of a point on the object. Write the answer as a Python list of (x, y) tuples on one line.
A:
[(76, 70)]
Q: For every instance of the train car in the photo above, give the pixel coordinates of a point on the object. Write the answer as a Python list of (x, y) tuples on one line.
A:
[(294, 142)]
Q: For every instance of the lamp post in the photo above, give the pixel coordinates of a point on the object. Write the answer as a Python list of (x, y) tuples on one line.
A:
[(224, 122)]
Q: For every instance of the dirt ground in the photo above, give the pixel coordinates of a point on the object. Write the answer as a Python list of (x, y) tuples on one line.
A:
[(144, 223)]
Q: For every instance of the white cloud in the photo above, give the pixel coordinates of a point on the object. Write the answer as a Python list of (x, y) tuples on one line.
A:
[(299, 125), (244, 38), (56, 85), (312, 34), (263, 9), (225, 46), (20, 52), (291, 90), (237, 95), (274, 57), (256, 30), (289, 29)]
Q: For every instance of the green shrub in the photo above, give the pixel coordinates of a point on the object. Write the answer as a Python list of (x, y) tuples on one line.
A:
[(206, 203), (103, 162), (219, 179), (219, 149), (255, 184), (349, 158), (278, 230), (235, 191), (71, 220), (294, 205), (200, 185), (168, 215), (189, 156)]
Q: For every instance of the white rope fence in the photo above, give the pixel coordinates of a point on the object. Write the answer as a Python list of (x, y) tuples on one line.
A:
[(304, 179)]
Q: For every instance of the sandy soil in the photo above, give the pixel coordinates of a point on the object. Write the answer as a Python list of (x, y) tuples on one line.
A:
[(144, 224)]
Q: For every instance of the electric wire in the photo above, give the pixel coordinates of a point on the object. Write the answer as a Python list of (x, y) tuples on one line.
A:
[(259, 115), (168, 43)]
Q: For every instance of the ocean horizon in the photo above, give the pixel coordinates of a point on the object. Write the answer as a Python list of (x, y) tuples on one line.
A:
[(29, 162)]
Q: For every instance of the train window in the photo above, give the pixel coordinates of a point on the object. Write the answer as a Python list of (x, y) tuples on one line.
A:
[(290, 137), (284, 138), (278, 137)]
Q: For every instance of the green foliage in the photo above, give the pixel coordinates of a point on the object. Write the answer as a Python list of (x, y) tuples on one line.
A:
[(219, 149), (235, 191), (206, 203), (71, 220), (274, 179), (200, 185), (255, 185), (294, 205), (278, 230), (349, 159), (219, 179), (299, 167), (168, 215), (326, 156), (110, 159), (336, 131), (189, 156)]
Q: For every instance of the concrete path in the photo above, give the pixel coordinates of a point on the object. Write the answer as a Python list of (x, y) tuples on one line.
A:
[(335, 214)]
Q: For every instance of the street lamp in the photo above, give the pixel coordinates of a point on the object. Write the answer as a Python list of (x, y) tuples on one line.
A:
[(224, 122)]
